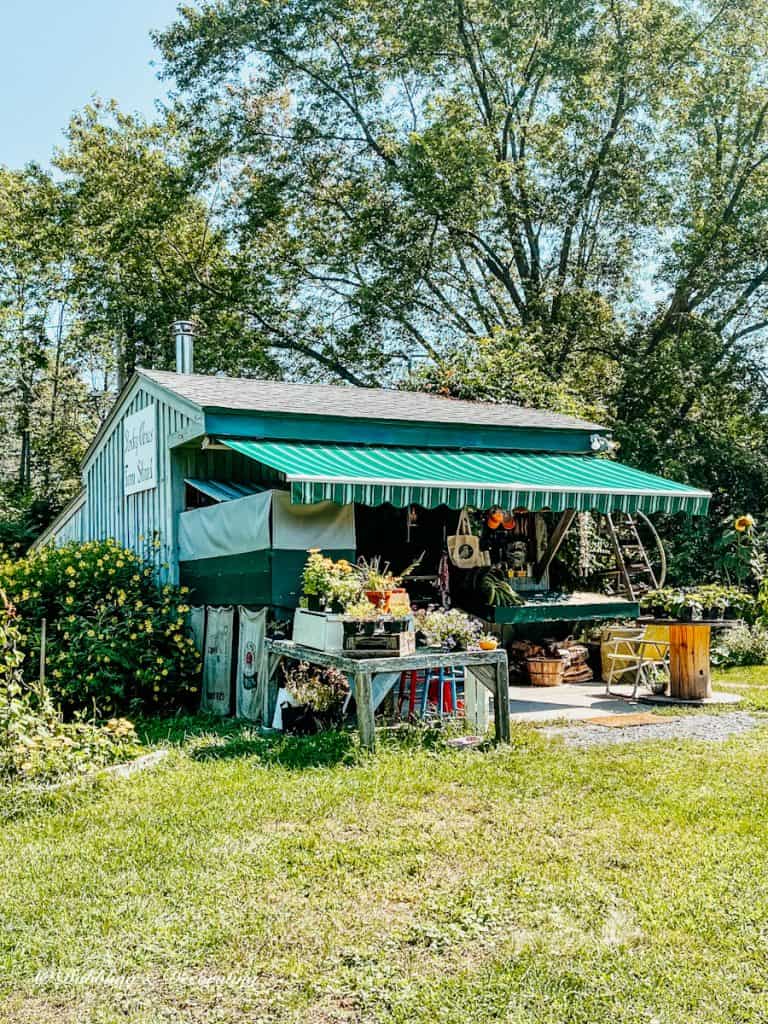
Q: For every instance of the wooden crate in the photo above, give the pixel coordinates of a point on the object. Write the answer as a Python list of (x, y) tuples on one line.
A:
[(386, 644)]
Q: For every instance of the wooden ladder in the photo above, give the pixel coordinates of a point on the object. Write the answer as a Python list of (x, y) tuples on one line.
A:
[(635, 573)]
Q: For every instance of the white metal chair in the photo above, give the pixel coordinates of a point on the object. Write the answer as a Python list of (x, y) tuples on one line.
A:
[(635, 650)]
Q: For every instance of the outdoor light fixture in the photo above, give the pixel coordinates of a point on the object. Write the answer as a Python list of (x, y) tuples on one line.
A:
[(600, 443)]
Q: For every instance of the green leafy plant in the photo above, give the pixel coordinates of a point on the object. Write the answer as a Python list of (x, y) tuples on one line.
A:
[(35, 743), (116, 639), (657, 678), (741, 645), (710, 600)]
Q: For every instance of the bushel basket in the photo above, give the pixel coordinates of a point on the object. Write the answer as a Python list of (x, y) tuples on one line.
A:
[(545, 671)]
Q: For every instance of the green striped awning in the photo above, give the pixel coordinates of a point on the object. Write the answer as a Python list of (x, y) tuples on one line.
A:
[(479, 479)]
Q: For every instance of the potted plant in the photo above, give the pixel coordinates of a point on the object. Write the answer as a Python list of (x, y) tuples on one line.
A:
[(329, 584), (319, 695), (657, 678), (360, 618), (316, 580), (487, 642), (741, 604), (450, 629), (654, 603), (378, 583)]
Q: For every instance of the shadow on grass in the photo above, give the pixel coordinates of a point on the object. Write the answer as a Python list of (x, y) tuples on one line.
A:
[(207, 738), (325, 750)]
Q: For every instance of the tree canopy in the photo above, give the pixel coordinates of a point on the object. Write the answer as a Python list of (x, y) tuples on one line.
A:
[(557, 202)]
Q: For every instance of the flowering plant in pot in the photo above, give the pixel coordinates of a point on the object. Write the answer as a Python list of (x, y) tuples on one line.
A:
[(451, 629), (329, 584), (319, 695)]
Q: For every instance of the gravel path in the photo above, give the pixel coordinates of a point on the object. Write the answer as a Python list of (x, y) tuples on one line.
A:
[(688, 727)]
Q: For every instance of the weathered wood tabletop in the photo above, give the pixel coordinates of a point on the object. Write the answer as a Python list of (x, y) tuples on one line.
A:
[(488, 667)]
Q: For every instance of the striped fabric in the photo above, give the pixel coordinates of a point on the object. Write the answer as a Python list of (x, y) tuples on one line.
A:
[(479, 479)]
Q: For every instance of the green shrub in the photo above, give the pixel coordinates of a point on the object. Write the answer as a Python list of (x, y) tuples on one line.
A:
[(35, 743), (116, 640), (742, 645)]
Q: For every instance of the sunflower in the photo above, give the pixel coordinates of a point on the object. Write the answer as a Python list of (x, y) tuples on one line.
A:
[(743, 523)]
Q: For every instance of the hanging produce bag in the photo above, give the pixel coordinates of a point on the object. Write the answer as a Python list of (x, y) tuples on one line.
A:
[(464, 546), (251, 665), (217, 662)]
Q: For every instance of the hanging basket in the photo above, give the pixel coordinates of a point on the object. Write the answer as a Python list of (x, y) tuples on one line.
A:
[(545, 671)]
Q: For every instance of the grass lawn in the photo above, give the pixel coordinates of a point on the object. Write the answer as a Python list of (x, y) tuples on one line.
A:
[(254, 880)]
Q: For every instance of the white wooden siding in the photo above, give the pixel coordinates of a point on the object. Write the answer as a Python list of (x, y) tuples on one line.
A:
[(66, 527), (145, 522)]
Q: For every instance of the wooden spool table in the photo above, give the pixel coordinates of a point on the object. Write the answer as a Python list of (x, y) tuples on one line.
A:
[(689, 669)]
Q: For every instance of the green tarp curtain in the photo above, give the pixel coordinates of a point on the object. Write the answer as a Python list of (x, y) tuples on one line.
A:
[(479, 479)]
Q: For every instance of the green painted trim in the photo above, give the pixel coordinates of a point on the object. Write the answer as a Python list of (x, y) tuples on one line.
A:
[(269, 577), (333, 430), (234, 579), (540, 612)]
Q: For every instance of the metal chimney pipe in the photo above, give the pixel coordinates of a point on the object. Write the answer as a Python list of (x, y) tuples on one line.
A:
[(184, 333)]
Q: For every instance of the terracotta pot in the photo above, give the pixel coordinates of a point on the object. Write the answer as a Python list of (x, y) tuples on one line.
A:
[(488, 645), (379, 598)]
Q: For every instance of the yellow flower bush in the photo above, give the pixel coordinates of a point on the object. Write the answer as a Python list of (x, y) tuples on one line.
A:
[(125, 644)]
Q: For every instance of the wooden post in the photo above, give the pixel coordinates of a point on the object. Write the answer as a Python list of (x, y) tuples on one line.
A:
[(555, 543), (269, 693), (689, 671), (365, 712), (43, 645), (475, 700), (501, 702)]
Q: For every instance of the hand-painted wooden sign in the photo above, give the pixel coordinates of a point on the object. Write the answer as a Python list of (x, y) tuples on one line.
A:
[(140, 450)]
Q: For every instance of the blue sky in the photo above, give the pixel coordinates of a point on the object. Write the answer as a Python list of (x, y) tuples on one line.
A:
[(56, 54)]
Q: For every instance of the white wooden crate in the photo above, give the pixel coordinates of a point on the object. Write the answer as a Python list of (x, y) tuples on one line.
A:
[(319, 630)]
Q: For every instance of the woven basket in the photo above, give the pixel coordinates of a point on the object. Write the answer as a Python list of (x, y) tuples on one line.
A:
[(546, 671)]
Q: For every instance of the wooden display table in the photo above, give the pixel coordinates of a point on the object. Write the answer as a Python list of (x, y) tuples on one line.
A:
[(488, 667), (689, 669)]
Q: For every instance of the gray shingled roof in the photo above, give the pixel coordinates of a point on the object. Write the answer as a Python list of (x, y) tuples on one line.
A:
[(270, 396)]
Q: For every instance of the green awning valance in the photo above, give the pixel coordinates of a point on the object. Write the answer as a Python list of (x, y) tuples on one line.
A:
[(479, 479)]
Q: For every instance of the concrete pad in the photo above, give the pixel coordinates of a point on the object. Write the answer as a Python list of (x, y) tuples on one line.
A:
[(571, 702)]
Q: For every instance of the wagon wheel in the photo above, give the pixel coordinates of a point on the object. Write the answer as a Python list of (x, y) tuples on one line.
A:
[(654, 548)]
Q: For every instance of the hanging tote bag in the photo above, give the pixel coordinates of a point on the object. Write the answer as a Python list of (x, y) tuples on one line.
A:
[(217, 662), (464, 547), (250, 691)]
